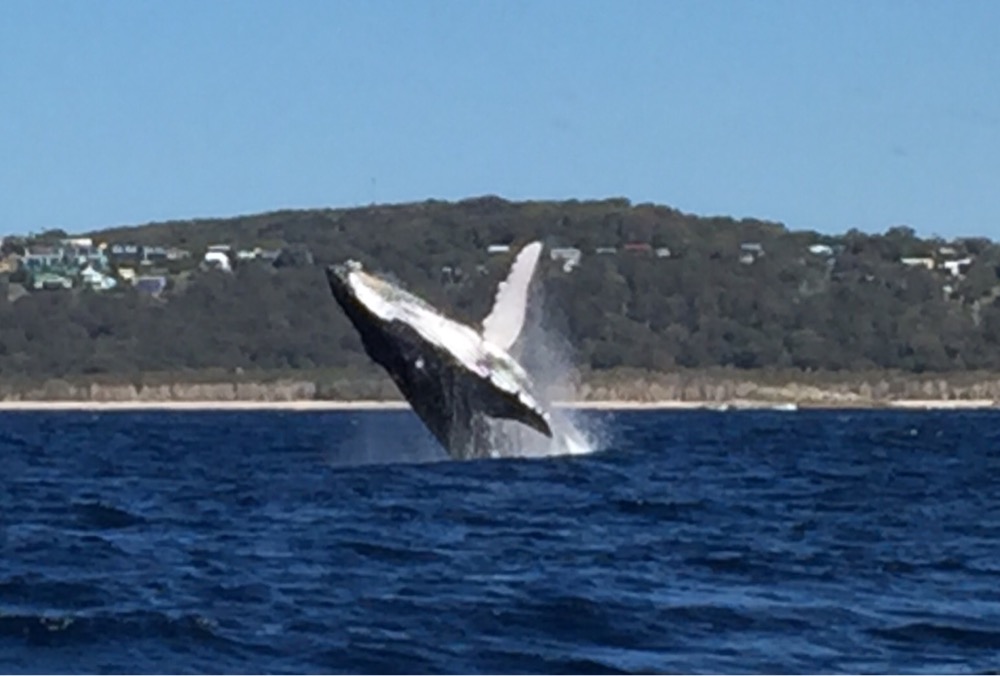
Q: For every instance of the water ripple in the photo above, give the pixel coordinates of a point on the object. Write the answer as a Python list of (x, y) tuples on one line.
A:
[(342, 542)]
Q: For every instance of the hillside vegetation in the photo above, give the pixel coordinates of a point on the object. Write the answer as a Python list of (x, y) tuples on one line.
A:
[(743, 294)]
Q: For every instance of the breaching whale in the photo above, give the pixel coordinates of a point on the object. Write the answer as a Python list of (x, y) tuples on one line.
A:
[(454, 376)]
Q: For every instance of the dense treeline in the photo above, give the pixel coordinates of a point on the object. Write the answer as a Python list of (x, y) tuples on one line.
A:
[(699, 307)]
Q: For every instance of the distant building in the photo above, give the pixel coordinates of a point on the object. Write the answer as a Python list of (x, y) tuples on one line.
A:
[(957, 268), (9, 263), (152, 286), (638, 247), (821, 250), (569, 256), (925, 261), (41, 258), (98, 281), (750, 252), (153, 254), (257, 254), (126, 251), (49, 281), (218, 260)]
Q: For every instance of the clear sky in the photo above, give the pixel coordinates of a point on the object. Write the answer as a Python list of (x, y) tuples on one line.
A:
[(820, 114)]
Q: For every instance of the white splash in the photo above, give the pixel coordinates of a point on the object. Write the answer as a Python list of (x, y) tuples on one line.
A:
[(538, 361), (547, 358)]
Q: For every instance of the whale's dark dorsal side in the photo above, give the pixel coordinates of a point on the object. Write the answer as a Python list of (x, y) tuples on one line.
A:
[(450, 374)]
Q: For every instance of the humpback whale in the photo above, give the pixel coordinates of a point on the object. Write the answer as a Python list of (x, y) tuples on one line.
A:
[(454, 376)]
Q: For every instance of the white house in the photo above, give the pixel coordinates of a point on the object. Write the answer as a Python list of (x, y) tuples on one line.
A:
[(97, 280), (957, 268), (926, 262), (217, 259), (570, 257)]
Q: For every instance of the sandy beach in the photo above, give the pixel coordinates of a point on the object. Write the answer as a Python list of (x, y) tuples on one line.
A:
[(374, 405)]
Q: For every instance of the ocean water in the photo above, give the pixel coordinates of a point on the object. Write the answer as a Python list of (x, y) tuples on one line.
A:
[(274, 542)]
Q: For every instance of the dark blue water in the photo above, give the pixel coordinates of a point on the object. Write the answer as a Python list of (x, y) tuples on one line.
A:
[(698, 542)]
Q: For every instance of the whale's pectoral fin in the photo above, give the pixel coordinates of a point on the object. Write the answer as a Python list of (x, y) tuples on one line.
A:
[(503, 324)]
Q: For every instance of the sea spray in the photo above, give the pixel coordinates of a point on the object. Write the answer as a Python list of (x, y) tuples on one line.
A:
[(548, 357)]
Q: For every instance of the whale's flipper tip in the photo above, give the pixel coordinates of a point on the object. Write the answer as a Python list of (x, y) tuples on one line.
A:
[(504, 323)]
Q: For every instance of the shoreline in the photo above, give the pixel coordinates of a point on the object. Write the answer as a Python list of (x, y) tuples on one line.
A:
[(379, 405)]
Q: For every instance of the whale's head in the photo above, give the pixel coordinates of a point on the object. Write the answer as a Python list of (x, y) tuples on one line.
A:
[(358, 292), (338, 276)]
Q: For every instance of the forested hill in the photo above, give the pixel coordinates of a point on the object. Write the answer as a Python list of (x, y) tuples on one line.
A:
[(653, 289)]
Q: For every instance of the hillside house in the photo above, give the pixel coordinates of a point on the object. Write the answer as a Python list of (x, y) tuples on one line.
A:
[(41, 258), (150, 285), (918, 261), (9, 264), (569, 257), (823, 250), (152, 255), (218, 260), (750, 252), (451, 274), (258, 254), (82, 252), (957, 268), (48, 281), (98, 281), (638, 247), (126, 251)]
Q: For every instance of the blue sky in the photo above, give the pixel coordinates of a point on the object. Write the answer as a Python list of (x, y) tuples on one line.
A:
[(821, 115)]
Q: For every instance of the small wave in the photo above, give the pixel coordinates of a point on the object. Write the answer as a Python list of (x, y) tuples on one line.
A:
[(68, 629), (924, 632), (240, 592), (660, 510), (375, 657), (103, 516), (944, 565), (31, 591), (511, 661), (722, 562), (392, 554)]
